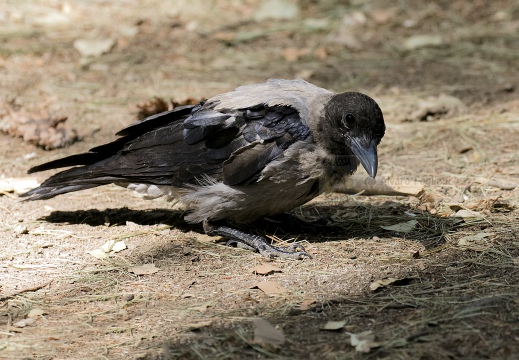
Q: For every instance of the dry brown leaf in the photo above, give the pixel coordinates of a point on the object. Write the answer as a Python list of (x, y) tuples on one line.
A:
[(271, 288), (266, 334), (38, 129), (381, 283), (145, 269), (265, 269)]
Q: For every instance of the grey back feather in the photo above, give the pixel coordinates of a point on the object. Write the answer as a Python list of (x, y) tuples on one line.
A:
[(306, 98)]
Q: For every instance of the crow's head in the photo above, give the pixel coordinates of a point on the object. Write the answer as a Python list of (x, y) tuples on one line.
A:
[(352, 125)]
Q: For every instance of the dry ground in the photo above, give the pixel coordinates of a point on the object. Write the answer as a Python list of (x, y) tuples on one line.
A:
[(458, 291)]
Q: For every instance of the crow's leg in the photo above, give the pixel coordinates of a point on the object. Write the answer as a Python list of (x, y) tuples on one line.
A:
[(255, 243)]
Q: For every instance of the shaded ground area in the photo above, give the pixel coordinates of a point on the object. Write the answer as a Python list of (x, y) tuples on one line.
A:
[(445, 74)]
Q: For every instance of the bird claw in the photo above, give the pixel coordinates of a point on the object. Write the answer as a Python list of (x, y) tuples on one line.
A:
[(294, 251), (258, 244)]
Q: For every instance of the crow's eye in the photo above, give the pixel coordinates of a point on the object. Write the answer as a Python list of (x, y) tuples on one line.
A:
[(349, 120)]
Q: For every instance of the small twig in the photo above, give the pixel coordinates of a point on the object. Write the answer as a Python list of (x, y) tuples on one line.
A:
[(31, 289)]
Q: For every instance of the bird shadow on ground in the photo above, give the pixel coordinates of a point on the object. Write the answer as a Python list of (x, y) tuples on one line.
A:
[(312, 223)]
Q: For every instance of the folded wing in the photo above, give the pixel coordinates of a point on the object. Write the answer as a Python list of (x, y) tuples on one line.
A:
[(181, 147)]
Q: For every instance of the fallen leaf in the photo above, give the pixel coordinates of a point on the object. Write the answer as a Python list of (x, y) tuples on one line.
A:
[(34, 313), (381, 283), (107, 246), (25, 322), (271, 288), (334, 325), (404, 227), (467, 214), (145, 269), (40, 129), (98, 254), (119, 246), (265, 269), (476, 239), (364, 341), (266, 334), (93, 47)]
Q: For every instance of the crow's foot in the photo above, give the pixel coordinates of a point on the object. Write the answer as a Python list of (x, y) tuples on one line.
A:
[(256, 243)]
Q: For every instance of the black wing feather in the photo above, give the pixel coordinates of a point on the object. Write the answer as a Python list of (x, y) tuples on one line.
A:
[(180, 147)]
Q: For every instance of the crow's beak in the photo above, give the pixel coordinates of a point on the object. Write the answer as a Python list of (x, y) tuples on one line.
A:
[(367, 155)]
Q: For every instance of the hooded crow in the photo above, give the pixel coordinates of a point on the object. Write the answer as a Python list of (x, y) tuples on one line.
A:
[(256, 151)]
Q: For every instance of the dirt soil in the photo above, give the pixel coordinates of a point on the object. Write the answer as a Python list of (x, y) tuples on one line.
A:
[(445, 74)]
